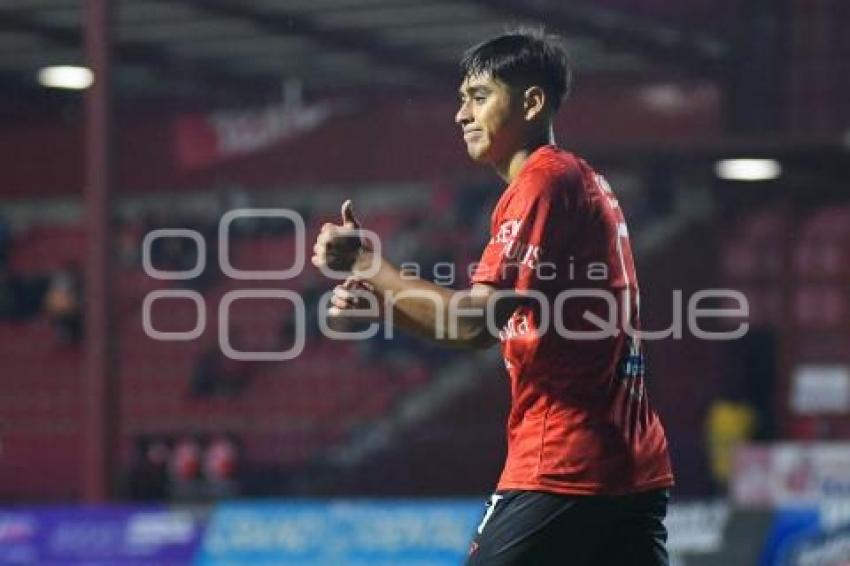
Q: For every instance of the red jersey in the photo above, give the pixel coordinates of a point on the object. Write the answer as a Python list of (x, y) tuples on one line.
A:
[(580, 421)]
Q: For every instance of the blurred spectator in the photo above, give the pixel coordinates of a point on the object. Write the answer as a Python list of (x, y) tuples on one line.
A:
[(62, 304), (217, 375), (20, 297), (185, 464), (175, 254), (149, 470), (312, 294), (728, 425), (10, 294), (221, 461), (179, 253), (232, 198), (5, 241), (128, 244), (660, 184)]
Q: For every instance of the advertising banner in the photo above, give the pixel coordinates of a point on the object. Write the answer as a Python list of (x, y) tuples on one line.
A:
[(818, 548), (342, 533), (790, 474), (98, 536)]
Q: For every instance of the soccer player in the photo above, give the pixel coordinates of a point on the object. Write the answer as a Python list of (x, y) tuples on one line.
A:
[(587, 475)]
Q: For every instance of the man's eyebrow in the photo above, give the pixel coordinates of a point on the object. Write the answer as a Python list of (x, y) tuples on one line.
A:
[(478, 89)]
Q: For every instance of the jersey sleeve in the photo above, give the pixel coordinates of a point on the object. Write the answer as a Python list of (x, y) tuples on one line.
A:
[(526, 236)]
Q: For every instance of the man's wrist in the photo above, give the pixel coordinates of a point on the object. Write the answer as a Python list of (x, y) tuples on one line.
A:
[(363, 262)]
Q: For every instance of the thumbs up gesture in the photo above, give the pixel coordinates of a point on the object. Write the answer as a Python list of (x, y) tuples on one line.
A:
[(347, 212), (339, 246)]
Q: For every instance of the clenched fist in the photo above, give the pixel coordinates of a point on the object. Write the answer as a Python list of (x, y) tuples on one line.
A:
[(352, 298)]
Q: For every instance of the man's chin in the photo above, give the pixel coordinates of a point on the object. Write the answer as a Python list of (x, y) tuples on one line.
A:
[(477, 154)]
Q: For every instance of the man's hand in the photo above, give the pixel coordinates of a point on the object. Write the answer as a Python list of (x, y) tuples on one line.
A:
[(339, 247), (351, 298), (416, 305)]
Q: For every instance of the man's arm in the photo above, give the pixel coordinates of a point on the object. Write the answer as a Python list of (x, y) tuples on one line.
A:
[(449, 317)]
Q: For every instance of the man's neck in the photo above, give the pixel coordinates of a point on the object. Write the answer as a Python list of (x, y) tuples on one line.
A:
[(510, 168)]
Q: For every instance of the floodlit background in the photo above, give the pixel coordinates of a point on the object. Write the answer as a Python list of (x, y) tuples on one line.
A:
[(722, 126)]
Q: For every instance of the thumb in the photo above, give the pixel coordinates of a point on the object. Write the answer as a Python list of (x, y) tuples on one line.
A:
[(348, 219)]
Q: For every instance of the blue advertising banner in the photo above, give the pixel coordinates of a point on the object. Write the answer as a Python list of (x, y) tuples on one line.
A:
[(343, 533), (18, 532), (788, 523), (828, 546), (137, 536)]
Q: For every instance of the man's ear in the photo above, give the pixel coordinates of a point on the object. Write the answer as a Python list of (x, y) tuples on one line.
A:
[(535, 101)]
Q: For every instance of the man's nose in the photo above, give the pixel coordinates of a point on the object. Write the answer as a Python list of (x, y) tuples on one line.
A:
[(463, 117)]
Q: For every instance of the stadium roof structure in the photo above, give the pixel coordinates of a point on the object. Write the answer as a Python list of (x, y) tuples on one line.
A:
[(219, 50)]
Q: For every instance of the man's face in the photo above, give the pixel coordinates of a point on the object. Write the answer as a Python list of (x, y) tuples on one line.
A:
[(491, 117)]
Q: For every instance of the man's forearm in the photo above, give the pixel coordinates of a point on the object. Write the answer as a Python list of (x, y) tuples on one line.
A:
[(424, 308)]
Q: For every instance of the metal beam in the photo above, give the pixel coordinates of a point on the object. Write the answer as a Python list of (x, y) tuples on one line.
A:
[(99, 383), (340, 39), (199, 76), (698, 53)]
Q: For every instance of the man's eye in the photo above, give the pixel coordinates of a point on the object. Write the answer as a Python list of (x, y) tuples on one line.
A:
[(479, 99)]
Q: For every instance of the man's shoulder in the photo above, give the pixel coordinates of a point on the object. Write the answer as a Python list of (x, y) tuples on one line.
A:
[(555, 173)]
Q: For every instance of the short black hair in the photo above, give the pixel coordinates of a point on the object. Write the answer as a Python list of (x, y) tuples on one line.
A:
[(521, 58)]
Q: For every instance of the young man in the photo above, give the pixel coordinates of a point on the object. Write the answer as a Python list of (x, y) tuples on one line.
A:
[(587, 473)]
